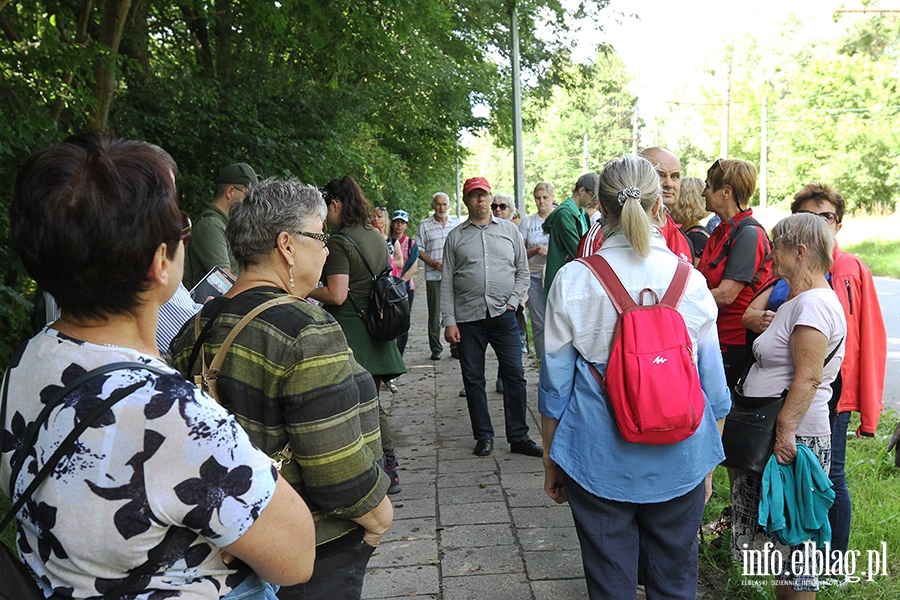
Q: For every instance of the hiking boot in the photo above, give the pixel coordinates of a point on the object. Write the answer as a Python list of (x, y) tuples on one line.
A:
[(395, 482)]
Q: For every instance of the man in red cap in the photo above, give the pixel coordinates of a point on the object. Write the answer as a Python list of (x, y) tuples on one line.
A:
[(485, 277)]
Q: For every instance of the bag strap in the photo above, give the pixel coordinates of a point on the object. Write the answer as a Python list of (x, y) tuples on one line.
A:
[(219, 358), (200, 336), (32, 432), (679, 284), (356, 307), (729, 242), (153, 557), (620, 297)]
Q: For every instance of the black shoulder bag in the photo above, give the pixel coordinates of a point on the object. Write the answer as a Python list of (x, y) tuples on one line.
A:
[(387, 316), (16, 581), (748, 436)]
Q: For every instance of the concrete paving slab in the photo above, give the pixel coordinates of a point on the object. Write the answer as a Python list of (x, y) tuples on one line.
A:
[(471, 494), (401, 582), (413, 509), (555, 564), (405, 553), (555, 516), (483, 587), (489, 560), (474, 514), (549, 538), (478, 536), (478, 476), (557, 589)]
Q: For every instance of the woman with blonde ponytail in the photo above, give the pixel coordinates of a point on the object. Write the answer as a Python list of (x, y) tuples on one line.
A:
[(632, 503)]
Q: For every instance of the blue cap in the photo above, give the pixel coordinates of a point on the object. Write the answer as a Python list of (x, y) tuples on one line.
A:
[(400, 214)]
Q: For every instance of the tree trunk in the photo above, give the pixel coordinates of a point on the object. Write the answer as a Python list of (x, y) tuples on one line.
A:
[(224, 47), (114, 15), (197, 26)]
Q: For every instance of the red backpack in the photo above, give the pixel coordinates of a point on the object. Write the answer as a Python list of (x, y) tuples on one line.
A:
[(651, 377)]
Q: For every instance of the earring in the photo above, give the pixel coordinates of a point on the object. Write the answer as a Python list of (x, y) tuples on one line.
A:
[(292, 276)]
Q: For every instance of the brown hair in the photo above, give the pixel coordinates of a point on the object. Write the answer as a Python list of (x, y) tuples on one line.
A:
[(739, 175), (355, 207), (820, 191)]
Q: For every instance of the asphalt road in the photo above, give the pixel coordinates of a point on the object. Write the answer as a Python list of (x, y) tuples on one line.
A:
[(889, 296)]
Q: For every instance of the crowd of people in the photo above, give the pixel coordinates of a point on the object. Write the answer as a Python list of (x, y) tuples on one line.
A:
[(272, 479)]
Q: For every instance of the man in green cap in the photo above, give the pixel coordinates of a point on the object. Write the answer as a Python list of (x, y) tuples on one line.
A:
[(208, 248)]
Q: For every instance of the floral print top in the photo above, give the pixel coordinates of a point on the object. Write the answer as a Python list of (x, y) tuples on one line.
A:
[(165, 465)]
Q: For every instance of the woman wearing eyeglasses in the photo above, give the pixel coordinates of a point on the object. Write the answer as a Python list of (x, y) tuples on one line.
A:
[(164, 479), (860, 384), (290, 377), (345, 273)]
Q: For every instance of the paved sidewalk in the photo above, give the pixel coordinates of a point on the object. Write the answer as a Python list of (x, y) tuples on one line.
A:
[(465, 527)]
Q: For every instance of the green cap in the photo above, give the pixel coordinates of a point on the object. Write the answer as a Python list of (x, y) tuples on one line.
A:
[(239, 173)]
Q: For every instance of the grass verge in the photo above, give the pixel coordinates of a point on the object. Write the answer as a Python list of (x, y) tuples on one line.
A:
[(881, 256)]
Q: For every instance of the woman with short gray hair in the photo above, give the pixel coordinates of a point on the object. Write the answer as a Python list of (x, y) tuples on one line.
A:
[(800, 351), (289, 377)]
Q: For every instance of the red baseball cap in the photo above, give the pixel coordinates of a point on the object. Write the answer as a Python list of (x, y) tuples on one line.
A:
[(476, 183)]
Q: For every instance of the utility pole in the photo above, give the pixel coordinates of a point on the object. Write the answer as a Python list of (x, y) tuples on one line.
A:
[(458, 195), (726, 115), (764, 157), (634, 133), (519, 175), (584, 155)]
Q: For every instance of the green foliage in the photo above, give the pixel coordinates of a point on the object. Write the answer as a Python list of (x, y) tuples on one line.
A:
[(594, 101), (317, 90)]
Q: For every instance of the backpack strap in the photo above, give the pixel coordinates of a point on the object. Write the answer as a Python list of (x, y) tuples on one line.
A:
[(619, 296), (359, 311), (678, 286), (211, 372), (726, 248)]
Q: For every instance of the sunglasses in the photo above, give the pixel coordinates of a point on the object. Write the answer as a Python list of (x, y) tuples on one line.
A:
[(186, 226), (718, 163), (322, 237), (831, 217), (503, 206)]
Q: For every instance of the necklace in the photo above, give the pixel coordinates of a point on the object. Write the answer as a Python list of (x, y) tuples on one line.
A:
[(81, 337)]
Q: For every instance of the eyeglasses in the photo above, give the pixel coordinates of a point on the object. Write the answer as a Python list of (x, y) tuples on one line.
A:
[(185, 228), (503, 206), (322, 237), (476, 194), (831, 217), (718, 163)]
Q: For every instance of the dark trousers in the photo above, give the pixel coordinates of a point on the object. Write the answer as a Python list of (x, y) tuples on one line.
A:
[(619, 539), (841, 513), (338, 571), (403, 339), (502, 333), (734, 360), (433, 299)]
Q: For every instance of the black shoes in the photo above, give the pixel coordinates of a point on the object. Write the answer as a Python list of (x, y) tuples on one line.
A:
[(484, 447), (454, 353), (435, 356), (395, 482), (499, 386), (526, 447), (462, 393)]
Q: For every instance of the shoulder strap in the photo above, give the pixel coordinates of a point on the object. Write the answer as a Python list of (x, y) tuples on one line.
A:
[(359, 251), (678, 286), (620, 297), (201, 335), (726, 249), (32, 432), (219, 358)]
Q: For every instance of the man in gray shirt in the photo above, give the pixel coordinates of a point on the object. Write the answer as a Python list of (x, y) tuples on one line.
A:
[(485, 277)]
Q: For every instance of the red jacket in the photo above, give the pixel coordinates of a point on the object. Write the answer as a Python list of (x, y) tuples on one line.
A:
[(865, 358)]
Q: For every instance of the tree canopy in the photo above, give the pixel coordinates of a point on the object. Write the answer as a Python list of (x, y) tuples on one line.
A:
[(376, 89)]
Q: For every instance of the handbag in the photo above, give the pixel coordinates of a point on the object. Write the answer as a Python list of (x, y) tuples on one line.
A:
[(748, 436), (16, 580)]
